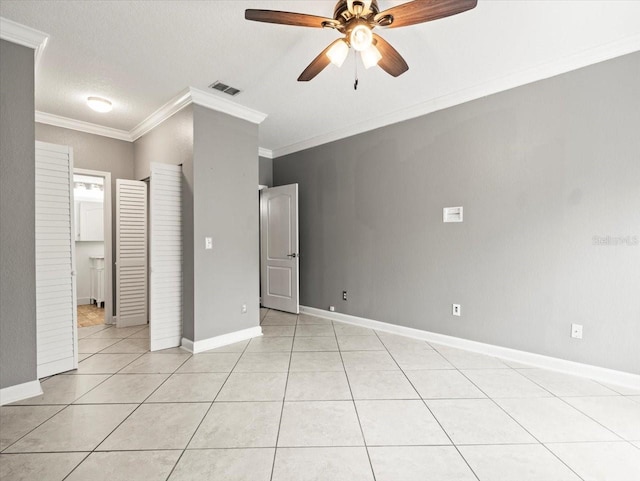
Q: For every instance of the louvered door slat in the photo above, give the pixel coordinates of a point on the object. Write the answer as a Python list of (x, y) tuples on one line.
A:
[(131, 253), (166, 256), (55, 281)]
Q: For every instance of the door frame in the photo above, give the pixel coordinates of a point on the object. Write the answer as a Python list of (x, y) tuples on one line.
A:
[(109, 318)]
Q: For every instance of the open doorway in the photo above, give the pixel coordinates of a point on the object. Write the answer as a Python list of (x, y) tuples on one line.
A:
[(92, 241)]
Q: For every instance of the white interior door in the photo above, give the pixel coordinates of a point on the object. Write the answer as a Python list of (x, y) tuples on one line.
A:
[(131, 253), (279, 256), (56, 315), (165, 225)]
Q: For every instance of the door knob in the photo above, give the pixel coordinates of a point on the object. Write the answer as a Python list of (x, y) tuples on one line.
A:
[(294, 255)]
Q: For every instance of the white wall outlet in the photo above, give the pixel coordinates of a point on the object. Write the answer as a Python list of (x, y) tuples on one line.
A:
[(244, 309), (208, 243), (576, 331), (332, 309), (455, 310)]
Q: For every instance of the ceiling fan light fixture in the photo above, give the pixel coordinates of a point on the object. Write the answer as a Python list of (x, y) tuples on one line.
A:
[(338, 53), (361, 37), (371, 56), (99, 104)]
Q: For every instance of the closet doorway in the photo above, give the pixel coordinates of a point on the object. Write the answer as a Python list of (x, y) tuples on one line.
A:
[(93, 247)]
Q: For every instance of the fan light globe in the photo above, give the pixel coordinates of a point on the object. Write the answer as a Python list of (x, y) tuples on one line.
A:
[(361, 37), (338, 53), (99, 104), (371, 56)]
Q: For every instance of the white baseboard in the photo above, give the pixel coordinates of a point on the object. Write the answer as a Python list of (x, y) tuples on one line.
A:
[(83, 301), (19, 392), (609, 376), (219, 341), (164, 343)]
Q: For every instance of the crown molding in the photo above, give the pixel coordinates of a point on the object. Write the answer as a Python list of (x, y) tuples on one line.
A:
[(186, 97), (199, 97), (26, 36), (176, 104), (89, 128), (213, 102), (550, 69), (262, 152)]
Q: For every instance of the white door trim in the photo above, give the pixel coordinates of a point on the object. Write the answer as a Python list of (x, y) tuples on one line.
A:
[(108, 241)]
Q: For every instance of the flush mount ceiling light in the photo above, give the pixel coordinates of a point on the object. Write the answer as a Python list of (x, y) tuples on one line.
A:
[(355, 21), (99, 104)]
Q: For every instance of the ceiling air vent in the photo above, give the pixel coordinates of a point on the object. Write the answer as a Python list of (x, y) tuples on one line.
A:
[(224, 88)]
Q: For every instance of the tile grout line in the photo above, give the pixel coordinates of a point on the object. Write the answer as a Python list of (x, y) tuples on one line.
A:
[(65, 406), (121, 422), (503, 410), (561, 398), (284, 397), (353, 400), (208, 410), (428, 408)]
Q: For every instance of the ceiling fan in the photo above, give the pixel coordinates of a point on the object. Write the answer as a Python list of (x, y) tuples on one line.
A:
[(355, 20)]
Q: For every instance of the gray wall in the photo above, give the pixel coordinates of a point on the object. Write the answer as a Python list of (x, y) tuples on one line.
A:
[(541, 170), (225, 174), (265, 171), (17, 216), (95, 152), (171, 142)]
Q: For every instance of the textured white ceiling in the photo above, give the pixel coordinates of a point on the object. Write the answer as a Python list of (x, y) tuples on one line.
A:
[(140, 54)]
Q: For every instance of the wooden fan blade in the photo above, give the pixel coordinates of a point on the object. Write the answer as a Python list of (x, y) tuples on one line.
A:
[(391, 61), (420, 11), (318, 64), (288, 18)]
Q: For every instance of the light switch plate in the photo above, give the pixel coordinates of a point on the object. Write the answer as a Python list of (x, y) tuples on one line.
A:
[(208, 243)]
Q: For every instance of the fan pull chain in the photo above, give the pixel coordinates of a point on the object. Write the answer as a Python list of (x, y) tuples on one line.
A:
[(355, 64)]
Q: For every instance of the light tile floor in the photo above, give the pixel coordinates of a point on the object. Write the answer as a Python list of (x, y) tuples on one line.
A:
[(315, 400)]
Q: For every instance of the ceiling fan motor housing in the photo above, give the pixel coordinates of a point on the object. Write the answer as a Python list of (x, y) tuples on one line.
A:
[(342, 12)]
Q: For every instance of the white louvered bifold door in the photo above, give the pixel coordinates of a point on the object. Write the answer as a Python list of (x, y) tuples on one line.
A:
[(131, 253), (56, 316), (166, 256)]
